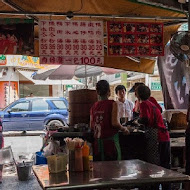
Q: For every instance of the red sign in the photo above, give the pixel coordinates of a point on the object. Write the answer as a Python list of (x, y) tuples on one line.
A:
[(135, 39), (9, 93), (71, 42), (71, 60)]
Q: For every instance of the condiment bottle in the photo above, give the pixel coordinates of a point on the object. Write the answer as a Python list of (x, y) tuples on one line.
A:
[(85, 154), (78, 159), (91, 162)]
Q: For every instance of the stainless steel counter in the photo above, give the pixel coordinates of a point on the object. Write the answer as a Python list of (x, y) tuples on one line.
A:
[(132, 145), (108, 174), (62, 135)]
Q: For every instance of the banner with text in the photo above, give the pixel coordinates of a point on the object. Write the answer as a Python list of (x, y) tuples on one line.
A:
[(175, 81), (135, 39), (8, 92), (71, 42)]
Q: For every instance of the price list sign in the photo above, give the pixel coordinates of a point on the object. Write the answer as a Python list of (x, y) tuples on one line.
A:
[(71, 42)]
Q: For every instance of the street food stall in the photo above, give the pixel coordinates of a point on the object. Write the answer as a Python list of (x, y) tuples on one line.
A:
[(106, 34)]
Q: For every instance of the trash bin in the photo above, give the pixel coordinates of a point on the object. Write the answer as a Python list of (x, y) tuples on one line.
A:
[(24, 170)]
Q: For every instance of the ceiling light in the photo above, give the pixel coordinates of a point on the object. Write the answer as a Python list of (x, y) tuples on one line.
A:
[(69, 15)]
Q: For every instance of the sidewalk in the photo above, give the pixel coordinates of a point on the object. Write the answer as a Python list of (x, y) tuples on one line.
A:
[(21, 145)]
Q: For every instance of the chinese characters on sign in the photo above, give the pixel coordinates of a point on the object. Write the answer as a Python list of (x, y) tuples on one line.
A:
[(71, 42), (9, 93), (135, 39)]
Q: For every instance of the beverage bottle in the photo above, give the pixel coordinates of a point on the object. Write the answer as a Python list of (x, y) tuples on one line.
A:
[(85, 154)]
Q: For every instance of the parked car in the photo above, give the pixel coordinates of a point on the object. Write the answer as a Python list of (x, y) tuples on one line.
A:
[(32, 113)]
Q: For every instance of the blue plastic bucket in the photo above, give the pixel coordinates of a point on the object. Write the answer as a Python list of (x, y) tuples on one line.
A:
[(40, 158)]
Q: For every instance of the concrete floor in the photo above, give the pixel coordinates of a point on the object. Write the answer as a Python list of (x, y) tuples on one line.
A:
[(24, 145), (21, 145), (11, 182)]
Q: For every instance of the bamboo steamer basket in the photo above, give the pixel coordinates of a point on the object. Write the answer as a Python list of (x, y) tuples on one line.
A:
[(178, 121), (80, 103)]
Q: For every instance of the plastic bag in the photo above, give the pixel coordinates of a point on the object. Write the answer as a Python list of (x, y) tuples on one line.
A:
[(52, 148)]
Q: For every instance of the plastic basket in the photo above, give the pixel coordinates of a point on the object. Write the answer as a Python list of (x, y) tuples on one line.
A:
[(57, 163), (40, 158)]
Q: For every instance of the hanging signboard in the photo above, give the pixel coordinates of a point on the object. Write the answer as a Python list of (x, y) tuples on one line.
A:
[(71, 42), (8, 92), (16, 36), (3, 60), (135, 39), (23, 61), (156, 86)]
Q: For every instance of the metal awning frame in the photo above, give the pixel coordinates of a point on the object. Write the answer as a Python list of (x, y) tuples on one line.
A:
[(26, 13)]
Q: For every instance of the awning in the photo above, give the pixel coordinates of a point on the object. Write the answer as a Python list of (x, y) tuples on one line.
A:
[(69, 71), (58, 82), (115, 82), (28, 75)]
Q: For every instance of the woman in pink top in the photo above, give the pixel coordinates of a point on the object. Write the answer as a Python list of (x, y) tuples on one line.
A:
[(157, 137), (136, 110)]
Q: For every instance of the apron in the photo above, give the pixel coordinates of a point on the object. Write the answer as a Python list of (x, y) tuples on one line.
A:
[(108, 148), (152, 145)]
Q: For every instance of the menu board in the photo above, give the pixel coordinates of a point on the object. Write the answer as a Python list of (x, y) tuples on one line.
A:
[(71, 42), (135, 39)]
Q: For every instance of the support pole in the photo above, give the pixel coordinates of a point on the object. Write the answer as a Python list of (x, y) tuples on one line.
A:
[(85, 78), (189, 15)]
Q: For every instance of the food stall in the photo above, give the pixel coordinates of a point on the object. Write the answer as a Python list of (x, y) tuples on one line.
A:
[(120, 47)]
